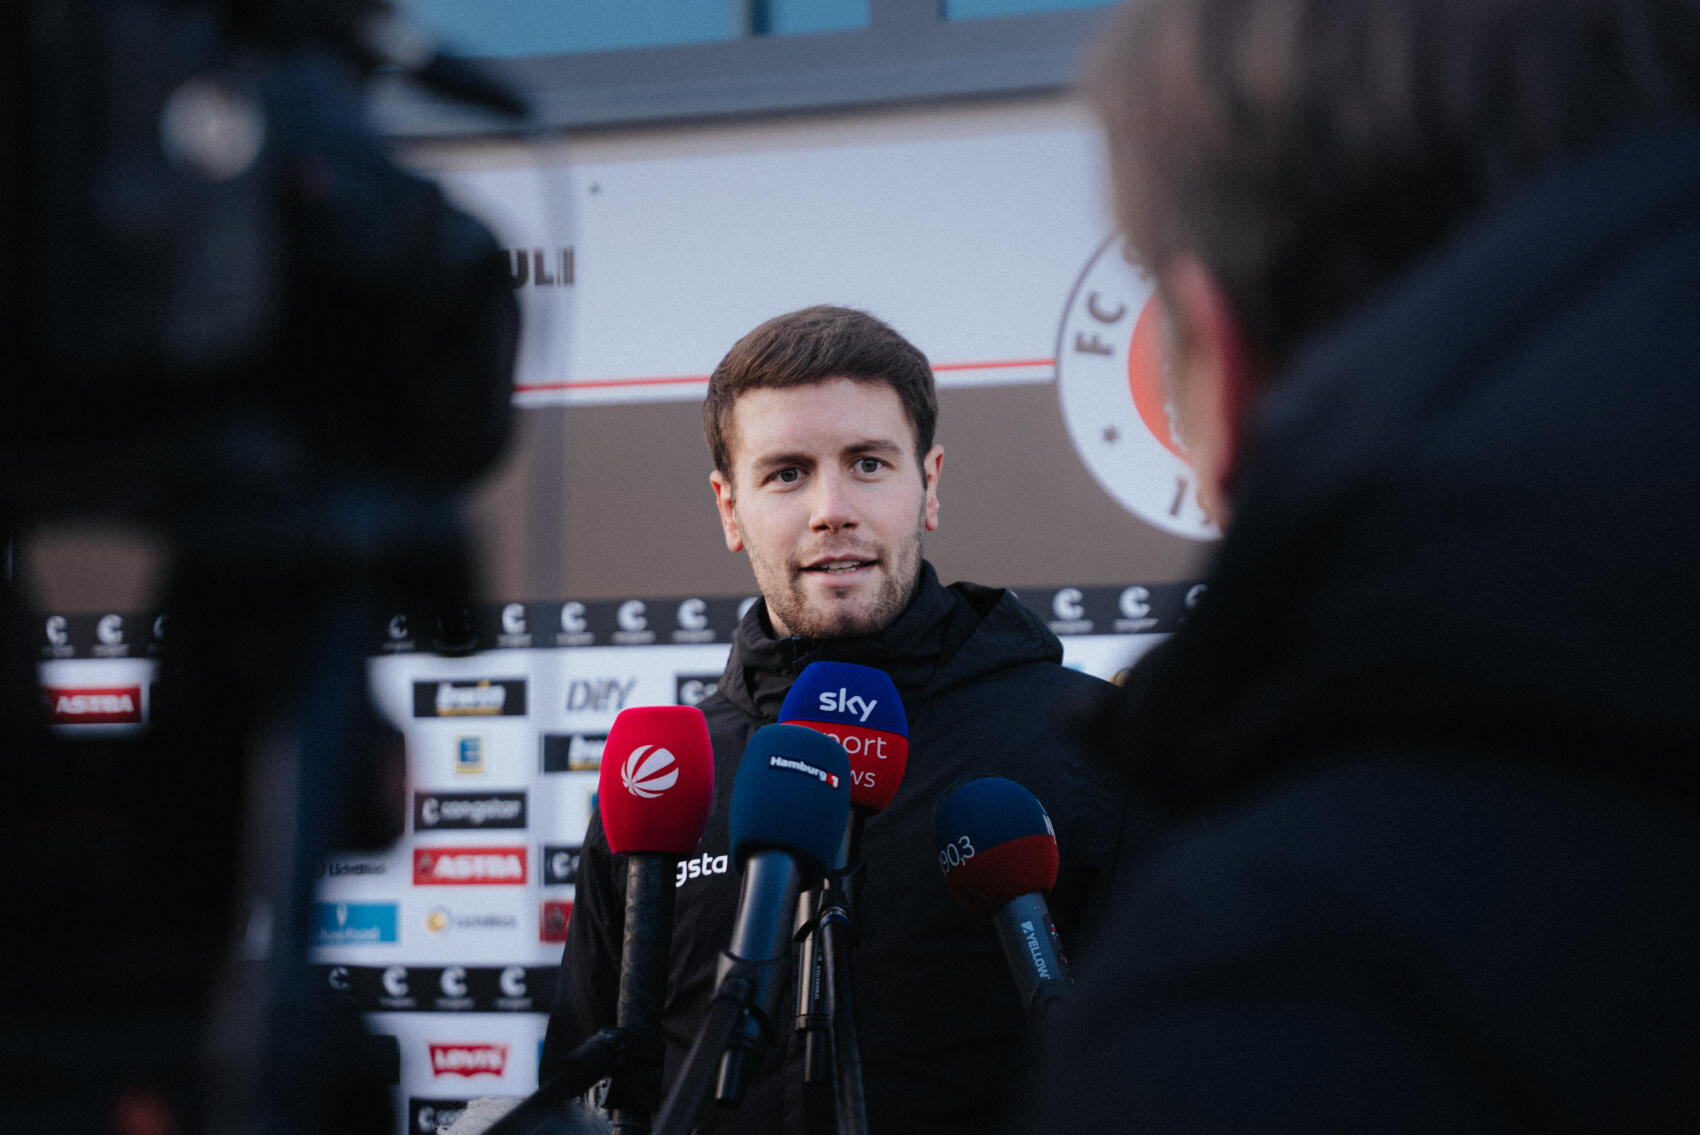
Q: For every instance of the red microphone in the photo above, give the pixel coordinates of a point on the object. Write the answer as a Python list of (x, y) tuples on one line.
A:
[(654, 793)]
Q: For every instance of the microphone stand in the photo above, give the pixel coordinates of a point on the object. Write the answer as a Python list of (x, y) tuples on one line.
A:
[(696, 1076), (825, 1007)]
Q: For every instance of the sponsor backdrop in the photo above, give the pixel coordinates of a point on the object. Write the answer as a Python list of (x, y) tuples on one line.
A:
[(640, 258)]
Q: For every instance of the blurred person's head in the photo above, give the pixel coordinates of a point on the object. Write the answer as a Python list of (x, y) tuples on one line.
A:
[(820, 423), (1277, 162)]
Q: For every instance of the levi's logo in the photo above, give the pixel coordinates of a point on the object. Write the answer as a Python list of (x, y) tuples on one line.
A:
[(468, 1059), (841, 701), (463, 866), (109, 705)]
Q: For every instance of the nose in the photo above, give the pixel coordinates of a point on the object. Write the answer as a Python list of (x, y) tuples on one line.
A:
[(831, 508)]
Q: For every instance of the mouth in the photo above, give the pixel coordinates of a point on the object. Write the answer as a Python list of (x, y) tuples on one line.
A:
[(834, 568)]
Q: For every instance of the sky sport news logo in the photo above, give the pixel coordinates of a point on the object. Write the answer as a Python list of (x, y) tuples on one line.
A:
[(482, 697), (353, 923)]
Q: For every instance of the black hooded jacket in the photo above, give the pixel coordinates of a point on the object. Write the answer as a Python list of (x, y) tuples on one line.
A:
[(942, 1034), (1434, 731)]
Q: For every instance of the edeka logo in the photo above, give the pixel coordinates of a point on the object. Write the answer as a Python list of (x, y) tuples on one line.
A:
[(468, 866), (552, 920), (469, 753), (468, 1059), (353, 923), (484, 697), (647, 777), (103, 705)]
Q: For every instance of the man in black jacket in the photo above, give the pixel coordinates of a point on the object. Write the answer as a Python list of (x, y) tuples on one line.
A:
[(820, 424), (1432, 269)]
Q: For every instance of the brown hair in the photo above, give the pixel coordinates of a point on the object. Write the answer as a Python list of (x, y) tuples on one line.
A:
[(813, 345), (1307, 151)]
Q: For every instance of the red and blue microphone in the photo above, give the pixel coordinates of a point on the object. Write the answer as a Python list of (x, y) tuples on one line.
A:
[(998, 852), (654, 793), (858, 707)]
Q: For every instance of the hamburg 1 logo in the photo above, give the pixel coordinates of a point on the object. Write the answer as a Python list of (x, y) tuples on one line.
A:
[(1114, 400)]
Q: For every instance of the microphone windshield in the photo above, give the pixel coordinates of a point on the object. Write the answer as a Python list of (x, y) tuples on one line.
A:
[(657, 779), (995, 843), (791, 793), (858, 707)]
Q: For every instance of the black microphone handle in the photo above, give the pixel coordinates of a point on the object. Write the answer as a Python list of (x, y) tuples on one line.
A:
[(1033, 949), (634, 1093), (761, 934)]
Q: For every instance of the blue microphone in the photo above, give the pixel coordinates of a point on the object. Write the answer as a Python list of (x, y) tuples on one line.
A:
[(790, 805), (998, 851)]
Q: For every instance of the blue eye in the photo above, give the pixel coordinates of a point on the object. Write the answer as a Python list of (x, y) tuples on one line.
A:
[(787, 476)]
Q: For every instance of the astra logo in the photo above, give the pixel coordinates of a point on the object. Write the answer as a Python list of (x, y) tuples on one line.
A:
[(647, 777), (398, 628), (703, 865), (114, 705), (395, 981), (338, 978), (631, 616), (513, 619), (468, 865), (453, 982), (693, 615), (512, 981), (1135, 603), (110, 629), (55, 630), (1194, 594), (468, 1059), (1066, 604), (843, 702)]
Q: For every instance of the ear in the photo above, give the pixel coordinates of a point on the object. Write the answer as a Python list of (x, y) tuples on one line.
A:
[(931, 466), (723, 502), (1215, 375)]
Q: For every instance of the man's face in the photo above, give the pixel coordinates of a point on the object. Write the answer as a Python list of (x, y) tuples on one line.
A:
[(827, 498)]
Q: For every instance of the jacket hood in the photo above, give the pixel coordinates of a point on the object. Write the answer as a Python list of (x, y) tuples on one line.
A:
[(945, 637), (1468, 515)]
